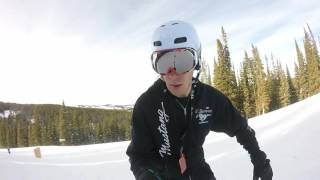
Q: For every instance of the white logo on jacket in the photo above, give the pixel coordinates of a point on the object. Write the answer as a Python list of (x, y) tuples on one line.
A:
[(203, 114), (164, 118)]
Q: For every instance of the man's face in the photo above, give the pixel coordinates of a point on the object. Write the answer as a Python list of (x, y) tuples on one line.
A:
[(179, 84)]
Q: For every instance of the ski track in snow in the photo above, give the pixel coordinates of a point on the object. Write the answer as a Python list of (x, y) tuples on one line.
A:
[(68, 164)]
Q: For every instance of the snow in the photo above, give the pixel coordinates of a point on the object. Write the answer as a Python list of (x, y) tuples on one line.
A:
[(7, 113), (288, 136), (108, 106)]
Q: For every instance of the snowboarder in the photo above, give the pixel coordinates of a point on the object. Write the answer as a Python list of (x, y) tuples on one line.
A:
[(172, 118)]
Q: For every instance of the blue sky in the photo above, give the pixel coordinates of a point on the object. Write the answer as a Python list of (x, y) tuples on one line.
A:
[(98, 52)]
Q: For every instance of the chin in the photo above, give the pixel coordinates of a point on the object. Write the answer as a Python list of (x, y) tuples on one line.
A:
[(179, 94), (179, 91)]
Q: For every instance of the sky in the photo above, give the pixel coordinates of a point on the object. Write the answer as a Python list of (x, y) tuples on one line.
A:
[(287, 135), (98, 52)]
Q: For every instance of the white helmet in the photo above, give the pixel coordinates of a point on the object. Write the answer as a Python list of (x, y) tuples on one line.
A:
[(176, 34)]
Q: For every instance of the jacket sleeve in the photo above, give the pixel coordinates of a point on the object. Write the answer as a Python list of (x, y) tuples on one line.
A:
[(226, 118), (246, 137), (141, 149), (230, 121)]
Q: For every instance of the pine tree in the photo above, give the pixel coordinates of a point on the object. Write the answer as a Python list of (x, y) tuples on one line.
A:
[(84, 127), (273, 79), (122, 132), (224, 76), (99, 133), (269, 81), (205, 76), (9, 134), (230, 73), (75, 129), (12, 131), (127, 118), (315, 67), (64, 125), (262, 98), (312, 65), (284, 87), (53, 138), (36, 128), (293, 97), (30, 138), (44, 126), (115, 131), (301, 74), (247, 87), (107, 129), (3, 133), (22, 131), (241, 97), (49, 120), (218, 67)]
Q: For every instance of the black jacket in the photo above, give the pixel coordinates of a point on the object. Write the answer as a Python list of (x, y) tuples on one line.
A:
[(161, 130)]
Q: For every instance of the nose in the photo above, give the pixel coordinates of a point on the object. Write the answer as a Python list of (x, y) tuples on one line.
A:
[(172, 71)]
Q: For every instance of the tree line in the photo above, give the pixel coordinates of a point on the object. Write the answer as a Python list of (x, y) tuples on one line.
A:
[(63, 125), (263, 86)]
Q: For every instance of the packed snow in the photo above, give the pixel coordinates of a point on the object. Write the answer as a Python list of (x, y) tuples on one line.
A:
[(289, 136)]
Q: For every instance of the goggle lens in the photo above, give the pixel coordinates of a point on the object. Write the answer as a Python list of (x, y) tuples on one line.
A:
[(181, 60)]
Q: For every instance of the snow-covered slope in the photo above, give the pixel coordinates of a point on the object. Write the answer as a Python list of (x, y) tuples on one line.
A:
[(289, 136), (108, 106)]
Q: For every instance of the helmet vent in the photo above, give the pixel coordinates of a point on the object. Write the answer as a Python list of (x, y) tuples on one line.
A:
[(157, 43), (174, 24), (180, 40)]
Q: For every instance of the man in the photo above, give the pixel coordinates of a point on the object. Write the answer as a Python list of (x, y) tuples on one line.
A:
[(172, 118)]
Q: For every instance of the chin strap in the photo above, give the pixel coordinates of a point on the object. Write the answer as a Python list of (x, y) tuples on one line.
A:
[(198, 68), (198, 74)]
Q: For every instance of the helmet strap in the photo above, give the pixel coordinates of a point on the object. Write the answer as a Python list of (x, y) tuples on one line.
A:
[(198, 74), (198, 67)]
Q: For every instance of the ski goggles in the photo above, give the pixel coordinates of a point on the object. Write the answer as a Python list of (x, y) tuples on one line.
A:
[(179, 60)]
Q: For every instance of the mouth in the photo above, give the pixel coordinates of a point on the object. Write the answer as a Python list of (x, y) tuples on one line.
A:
[(175, 85)]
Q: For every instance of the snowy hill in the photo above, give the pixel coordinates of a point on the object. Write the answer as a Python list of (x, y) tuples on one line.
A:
[(108, 106), (289, 136)]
